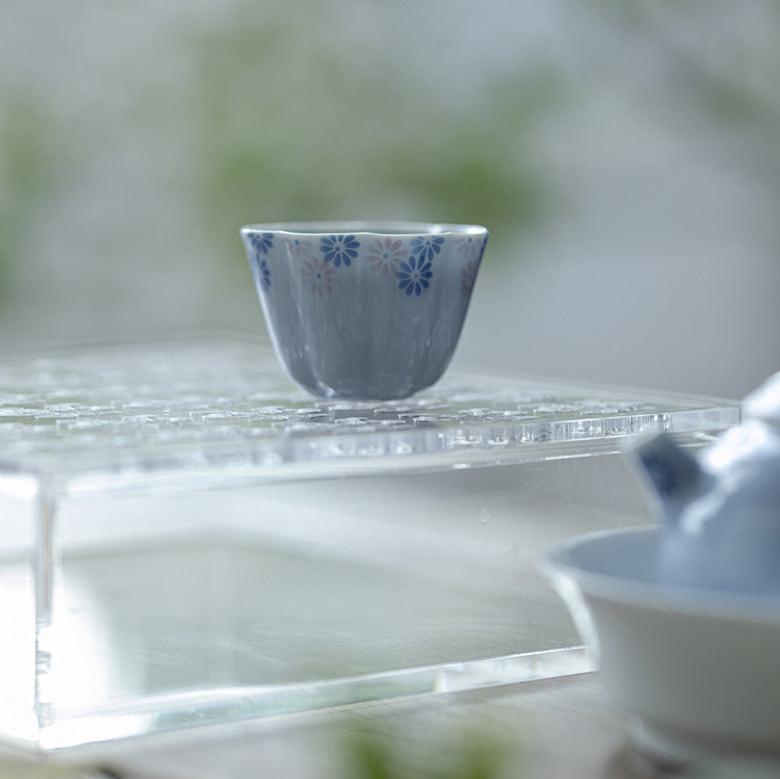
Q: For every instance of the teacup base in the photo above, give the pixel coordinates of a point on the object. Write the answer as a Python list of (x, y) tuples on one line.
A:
[(361, 391), (329, 393), (673, 749)]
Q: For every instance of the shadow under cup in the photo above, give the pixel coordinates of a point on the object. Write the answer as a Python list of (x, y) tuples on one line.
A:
[(365, 311)]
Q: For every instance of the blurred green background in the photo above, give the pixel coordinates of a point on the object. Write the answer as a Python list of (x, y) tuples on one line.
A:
[(624, 155)]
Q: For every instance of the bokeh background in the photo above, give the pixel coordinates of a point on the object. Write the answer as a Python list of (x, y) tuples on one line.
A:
[(625, 155)]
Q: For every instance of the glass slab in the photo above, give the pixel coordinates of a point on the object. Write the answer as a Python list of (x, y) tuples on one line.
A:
[(137, 412), (189, 539)]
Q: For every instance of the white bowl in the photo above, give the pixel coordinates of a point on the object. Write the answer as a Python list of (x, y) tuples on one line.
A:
[(699, 668)]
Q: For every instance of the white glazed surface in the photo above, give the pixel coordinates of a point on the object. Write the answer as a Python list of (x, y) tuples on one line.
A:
[(699, 668)]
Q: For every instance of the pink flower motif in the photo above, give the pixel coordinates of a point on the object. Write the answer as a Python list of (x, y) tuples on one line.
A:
[(471, 246), (385, 255), (468, 276), (298, 248), (318, 276)]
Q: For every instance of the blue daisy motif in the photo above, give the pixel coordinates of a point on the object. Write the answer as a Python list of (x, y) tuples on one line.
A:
[(426, 247), (339, 249), (415, 275), (264, 274), (261, 242)]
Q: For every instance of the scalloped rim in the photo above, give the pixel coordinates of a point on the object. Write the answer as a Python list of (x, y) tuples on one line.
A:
[(377, 228)]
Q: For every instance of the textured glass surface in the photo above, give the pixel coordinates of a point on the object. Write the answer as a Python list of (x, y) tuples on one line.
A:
[(182, 541), (226, 404)]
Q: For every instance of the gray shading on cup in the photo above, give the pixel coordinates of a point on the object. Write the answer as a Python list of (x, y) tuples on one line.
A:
[(361, 310)]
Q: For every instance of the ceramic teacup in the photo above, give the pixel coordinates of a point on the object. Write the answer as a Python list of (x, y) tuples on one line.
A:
[(363, 310)]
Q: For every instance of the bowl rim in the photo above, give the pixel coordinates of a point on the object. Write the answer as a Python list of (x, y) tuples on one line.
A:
[(703, 602), (378, 228)]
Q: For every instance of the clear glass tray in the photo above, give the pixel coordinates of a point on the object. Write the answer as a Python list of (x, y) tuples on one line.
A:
[(186, 539)]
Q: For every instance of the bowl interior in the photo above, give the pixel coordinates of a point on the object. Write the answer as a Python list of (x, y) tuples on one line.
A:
[(621, 565), (625, 554)]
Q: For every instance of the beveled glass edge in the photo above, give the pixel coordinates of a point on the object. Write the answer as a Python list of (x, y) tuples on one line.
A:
[(217, 707)]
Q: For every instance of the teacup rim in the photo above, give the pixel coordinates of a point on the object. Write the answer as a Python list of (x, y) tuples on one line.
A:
[(377, 228)]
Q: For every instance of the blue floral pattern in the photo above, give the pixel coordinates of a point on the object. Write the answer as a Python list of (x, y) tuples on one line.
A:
[(426, 247), (264, 274), (415, 275), (339, 249), (261, 242), (406, 262)]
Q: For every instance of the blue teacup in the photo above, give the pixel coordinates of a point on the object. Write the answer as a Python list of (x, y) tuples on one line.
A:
[(363, 310)]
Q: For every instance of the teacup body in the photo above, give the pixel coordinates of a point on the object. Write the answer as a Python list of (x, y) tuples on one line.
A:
[(364, 311)]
